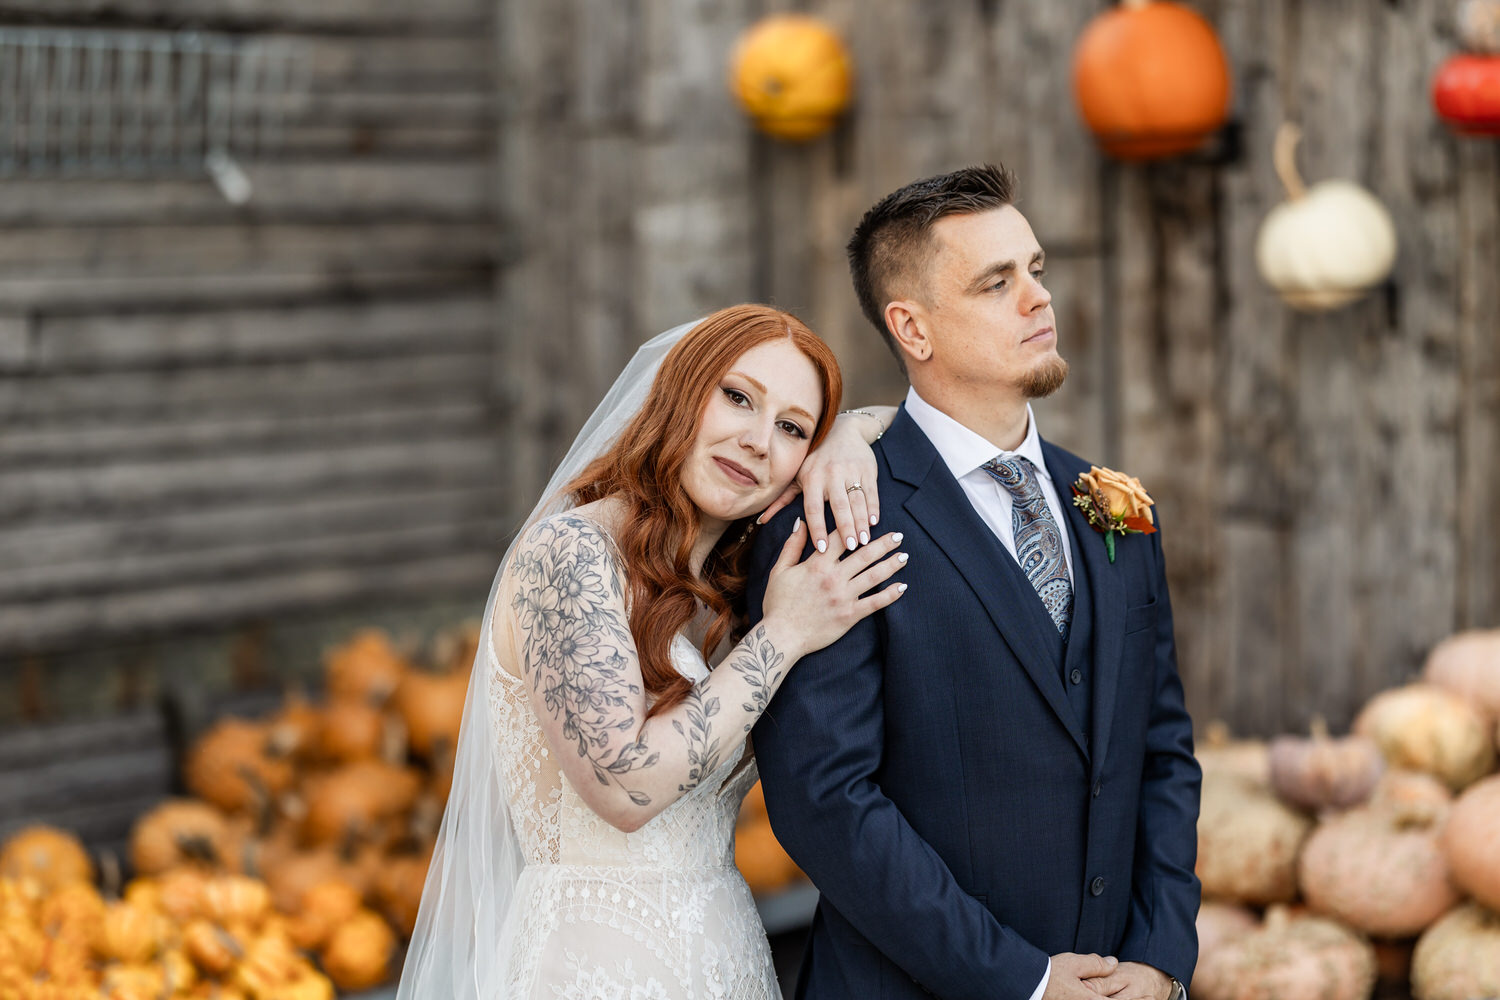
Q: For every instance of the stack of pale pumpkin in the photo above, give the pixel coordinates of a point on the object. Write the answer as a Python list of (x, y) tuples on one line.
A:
[(309, 834), (1376, 857)]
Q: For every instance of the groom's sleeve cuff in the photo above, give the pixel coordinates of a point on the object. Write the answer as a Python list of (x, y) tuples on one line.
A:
[(1042, 986)]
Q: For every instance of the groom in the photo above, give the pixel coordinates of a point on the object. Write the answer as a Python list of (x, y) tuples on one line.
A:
[(991, 782)]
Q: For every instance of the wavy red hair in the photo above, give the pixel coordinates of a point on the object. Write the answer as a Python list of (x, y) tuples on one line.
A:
[(643, 471)]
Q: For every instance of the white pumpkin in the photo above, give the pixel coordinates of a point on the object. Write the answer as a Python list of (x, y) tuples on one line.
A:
[(1326, 245), (1479, 26)]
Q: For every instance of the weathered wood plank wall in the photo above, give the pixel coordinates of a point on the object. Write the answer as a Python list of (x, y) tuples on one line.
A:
[(1327, 482), (214, 416)]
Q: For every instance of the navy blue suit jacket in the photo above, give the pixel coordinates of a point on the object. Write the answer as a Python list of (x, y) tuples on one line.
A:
[(929, 775)]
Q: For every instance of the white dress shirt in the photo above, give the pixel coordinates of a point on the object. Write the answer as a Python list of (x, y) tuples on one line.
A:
[(965, 453)]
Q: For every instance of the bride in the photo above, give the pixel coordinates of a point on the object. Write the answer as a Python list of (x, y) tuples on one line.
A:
[(587, 850)]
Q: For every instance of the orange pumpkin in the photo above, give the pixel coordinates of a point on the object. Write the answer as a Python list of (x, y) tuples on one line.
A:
[(211, 947), (236, 767), (367, 668), (236, 899), (431, 705), (1471, 841), (1151, 79), (356, 800), (398, 888), (50, 857), (1458, 958), (761, 859), (180, 832), (129, 933), (358, 954), (352, 730), (324, 907), (792, 75)]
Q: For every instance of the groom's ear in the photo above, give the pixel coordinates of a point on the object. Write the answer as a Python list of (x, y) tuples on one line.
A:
[(907, 322)]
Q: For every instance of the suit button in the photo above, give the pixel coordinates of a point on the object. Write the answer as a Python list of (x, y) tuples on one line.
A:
[(1098, 787), (1097, 886), (1076, 676)]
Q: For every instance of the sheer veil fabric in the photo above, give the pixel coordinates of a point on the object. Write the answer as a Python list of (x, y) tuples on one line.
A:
[(461, 943)]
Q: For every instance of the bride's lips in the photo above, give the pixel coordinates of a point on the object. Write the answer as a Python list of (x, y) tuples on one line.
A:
[(737, 473)]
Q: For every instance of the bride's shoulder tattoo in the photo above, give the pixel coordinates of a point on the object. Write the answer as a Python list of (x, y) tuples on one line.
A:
[(569, 605)]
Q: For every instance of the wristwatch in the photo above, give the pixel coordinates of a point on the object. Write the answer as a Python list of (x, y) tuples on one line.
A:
[(1176, 992)]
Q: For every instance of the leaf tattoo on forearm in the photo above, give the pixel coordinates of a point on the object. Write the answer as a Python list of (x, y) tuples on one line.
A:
[(761, 667), (573, 644)]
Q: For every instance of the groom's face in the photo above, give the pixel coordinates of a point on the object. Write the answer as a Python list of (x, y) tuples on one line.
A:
[(988, 316)]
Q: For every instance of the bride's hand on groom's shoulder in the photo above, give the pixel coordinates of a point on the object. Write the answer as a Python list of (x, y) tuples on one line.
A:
[(1077, 977), (812, 603), (841, 473)]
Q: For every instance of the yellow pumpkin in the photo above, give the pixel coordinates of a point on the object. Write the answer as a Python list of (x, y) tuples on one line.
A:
[(1426, 728), (73, 912), (792, 75), (210, 947), (48, 856)]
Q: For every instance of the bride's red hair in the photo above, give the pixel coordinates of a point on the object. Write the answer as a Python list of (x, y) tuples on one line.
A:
[(642, 471)]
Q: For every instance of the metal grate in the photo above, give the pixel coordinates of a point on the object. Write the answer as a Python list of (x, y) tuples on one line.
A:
[(143, 104)]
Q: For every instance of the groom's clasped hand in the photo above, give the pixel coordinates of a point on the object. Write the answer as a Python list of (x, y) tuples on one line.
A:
[(1083, 977)]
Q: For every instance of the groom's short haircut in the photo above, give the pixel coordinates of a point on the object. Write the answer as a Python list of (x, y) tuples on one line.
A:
[(892, 241)]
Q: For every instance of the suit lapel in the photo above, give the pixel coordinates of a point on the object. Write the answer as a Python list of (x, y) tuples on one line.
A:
[(940, 506), (1106, 588)]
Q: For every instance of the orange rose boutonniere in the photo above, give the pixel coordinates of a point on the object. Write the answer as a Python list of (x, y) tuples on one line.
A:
[(1115, 504)]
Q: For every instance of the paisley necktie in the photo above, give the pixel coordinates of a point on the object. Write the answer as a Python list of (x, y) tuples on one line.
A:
[(1039, 542)]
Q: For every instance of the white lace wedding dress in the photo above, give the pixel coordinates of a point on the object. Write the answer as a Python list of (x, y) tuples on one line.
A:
[(658, 914)]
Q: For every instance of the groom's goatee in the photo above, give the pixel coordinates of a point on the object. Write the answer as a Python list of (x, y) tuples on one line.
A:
[(1045, 379)]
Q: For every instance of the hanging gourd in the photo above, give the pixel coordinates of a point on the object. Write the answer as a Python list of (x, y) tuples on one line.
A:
[(1479, 26), (1466, 89), (1151, 79), (1326, 245), (792, 75)]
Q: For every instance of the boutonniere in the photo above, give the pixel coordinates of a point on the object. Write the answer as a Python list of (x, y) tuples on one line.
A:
[(1115, 504)]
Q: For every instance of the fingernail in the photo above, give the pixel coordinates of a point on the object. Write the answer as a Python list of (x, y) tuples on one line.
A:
[(874, 518), (864, 538), (900, 588), (797, 526), (903, 557), (896, 537), (822, 545), (850, 542)]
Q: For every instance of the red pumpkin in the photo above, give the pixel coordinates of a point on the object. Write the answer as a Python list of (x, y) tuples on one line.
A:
[(1151, 79), (1466, 94)]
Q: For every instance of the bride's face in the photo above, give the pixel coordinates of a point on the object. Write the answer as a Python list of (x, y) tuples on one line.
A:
[(755, 432)]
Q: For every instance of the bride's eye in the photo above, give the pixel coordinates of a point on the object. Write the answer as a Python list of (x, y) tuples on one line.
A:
[(794, 429), (736, 397)]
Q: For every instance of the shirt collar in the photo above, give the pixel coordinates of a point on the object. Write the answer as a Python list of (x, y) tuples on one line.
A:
[(964, 451)]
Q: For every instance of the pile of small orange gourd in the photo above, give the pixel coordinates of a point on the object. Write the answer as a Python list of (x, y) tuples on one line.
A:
[(308, 834), (757, 853), (1376, 856)]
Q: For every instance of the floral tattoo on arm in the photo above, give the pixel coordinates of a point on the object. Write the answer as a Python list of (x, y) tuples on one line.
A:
[(574, 638)]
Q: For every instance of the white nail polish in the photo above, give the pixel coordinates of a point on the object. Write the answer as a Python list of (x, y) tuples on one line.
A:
[(822, 545), (897, 537), (850, 542), (797, 526), (874, 518), (903, 557), (900, 588), (864, 538)]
